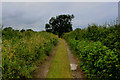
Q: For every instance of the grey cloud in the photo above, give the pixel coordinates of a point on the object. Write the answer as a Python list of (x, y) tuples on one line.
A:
[(36, 15)]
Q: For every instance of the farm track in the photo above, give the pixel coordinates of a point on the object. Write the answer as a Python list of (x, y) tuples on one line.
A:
[(45, 71)]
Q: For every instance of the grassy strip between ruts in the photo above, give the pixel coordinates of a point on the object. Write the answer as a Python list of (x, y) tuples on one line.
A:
[(60, 66)]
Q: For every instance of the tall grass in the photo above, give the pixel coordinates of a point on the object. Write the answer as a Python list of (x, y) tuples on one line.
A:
[(21, 51)]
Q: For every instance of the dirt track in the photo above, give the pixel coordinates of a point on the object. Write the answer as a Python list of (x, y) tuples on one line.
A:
[(42, 70)]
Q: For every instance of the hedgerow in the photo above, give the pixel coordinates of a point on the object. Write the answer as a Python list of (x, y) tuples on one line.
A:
[(21, 51), (97, 48)]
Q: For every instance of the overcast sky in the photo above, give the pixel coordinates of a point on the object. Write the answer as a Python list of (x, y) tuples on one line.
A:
[(34, 15)]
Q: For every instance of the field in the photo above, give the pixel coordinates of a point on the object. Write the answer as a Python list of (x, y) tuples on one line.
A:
[(98, 49)]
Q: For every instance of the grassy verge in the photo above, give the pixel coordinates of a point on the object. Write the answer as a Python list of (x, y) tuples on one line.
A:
[(60, 67)]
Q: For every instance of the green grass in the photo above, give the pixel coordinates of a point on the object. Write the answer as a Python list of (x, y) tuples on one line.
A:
[(60, 66)]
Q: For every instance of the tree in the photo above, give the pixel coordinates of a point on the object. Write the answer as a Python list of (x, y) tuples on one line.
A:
[(22, 30), (30, 30), (60, 24), (47, 27)]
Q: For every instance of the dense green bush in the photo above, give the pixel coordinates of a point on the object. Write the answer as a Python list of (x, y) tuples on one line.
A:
[(97, 60), (110, 36), (97, 47), (21, 51)]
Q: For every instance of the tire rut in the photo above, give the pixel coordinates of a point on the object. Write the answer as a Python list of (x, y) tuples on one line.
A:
[(78, 73), (43, 68)]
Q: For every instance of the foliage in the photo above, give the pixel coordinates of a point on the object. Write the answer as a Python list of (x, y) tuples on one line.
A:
[(110, 36), (97, 47), (21, 51), (60, 24)]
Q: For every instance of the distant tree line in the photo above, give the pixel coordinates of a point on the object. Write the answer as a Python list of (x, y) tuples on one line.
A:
[(9, 32)]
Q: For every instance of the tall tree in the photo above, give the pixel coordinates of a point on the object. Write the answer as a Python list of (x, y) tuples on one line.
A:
[(60, 24)]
